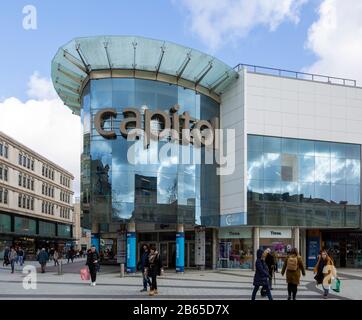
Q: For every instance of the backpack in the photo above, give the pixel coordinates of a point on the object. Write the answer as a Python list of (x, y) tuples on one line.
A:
[(292, 263)]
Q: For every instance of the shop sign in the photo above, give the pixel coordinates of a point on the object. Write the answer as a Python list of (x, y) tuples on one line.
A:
[(235, 233), (276, 233)]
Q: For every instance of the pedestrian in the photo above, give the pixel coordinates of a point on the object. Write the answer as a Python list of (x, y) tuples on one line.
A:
[(270, 262), (12, 258), (21, 256), (56, 257), (325, 271), (294, 266), (92, 263), (144, 264), (6, 256), (155, 266), (261, 277), (71, 254), (43, 258)]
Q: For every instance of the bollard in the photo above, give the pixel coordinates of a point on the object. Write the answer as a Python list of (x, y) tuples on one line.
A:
[(122, 270), (60, 268)]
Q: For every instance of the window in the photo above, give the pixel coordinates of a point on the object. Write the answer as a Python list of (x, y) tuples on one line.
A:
[(20, 179), (1, 195), (6, 151), (1, 173), (42, 189), (28, 203), (19, 201), (52, 175), (28, 184), (53, 192), (6, 174), (32, 184), (32, 204), (28, 166), (32, 165), (24, 161), (24, 181), (20, 159), (5, 196), (24, 202), (46, 172), (42, 170), (42, 207), (1, 149)]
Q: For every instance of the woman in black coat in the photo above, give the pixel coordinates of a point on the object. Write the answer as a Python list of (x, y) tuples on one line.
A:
[(92, 263), (261, 277), (155, 266)]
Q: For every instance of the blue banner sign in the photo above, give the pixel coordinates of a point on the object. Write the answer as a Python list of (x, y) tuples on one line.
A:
[(180, 251), (131, 252)]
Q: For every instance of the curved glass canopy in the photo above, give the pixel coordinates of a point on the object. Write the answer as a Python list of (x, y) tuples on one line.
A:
[(128, 56)]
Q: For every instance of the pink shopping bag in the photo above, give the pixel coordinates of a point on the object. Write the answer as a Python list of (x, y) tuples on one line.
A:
[(84, 274)]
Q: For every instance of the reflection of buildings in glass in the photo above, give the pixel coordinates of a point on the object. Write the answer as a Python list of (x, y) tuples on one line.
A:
[(101, 200)]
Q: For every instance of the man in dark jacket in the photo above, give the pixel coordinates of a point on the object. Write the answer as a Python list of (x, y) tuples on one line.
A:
[(261, 277), (145, 266), (92, 263), (270, 262), (6, 256), (43, 258)]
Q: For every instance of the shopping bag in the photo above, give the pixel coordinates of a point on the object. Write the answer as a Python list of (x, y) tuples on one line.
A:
[(336, 285), (84, 274)]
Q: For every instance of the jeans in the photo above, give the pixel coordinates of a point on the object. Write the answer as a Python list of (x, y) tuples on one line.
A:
[(326, 291), (12, 265), (21, 260), (292, 289), (154, 280), (146, 280), (56, 262), (268, 293), (93, 272)]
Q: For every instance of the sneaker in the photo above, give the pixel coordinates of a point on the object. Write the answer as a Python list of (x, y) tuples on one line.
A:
[(152, 293), (143, 290)]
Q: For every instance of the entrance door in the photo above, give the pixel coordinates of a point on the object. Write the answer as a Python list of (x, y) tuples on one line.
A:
[(172, 254), (164, 254)]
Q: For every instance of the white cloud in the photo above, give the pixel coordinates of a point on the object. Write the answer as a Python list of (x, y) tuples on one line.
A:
[(40, 88), (218, 22), (336, 39), (45, 125)]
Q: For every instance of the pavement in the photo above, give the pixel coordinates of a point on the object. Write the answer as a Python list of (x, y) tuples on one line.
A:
[(193, 284)]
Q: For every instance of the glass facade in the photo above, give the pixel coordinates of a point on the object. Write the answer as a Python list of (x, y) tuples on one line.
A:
[(25, 226), (295, 182), (64, 230), (5, 223), (46, 228), (115, 191)]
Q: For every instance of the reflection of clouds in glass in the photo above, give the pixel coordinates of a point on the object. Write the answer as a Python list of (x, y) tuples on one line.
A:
[(322, 170), (353, 171)]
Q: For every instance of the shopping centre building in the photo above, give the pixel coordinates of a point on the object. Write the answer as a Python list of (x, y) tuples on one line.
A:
[(292, 173)]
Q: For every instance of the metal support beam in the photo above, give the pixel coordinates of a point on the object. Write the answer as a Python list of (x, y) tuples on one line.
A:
[(183, 66), (73, 60), (203, 73), (160, 59), (82, 57)]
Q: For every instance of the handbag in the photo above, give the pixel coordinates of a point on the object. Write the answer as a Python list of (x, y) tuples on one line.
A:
[(336, 285), (84, 274)]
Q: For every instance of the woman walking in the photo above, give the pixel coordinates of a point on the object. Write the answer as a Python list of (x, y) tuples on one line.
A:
[(92, 263), (325, 271), (56, 257), (293, 264), (155, 266), (261, 277)]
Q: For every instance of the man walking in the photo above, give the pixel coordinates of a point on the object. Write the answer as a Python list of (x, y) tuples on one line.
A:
[(43, 258), (21, 256), (145, 267)]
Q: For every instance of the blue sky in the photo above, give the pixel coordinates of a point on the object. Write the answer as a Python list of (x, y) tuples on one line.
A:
[(25, 51)]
